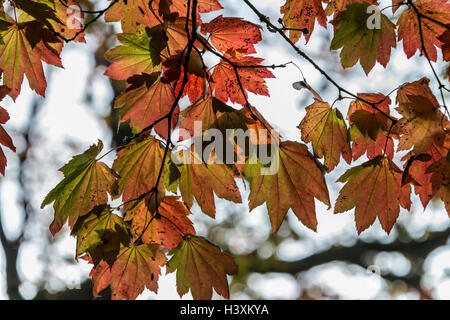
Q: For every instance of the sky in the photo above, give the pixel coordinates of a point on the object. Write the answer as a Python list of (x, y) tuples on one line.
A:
[(67, 116)]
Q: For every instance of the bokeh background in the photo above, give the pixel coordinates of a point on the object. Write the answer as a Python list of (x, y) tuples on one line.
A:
[(413, 262)]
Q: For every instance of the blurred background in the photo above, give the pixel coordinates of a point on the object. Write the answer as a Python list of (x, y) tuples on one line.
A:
[(413, 262)]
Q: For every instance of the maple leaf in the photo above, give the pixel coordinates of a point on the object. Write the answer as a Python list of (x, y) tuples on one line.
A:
[(72, 24), (440, 180), (369, 128), (205, 6), (101, 277), (367, 119), (167, 9), (225, 83), (302, 14), (368, 123), (445, 39), (166, 227), (201, 178), (362, 144), (136, 267), (421, 180), (100, 274), (410, 32), (232, 34), (195, 86), (336, 6), (201, 267), (180, 6), (417, 167), (422, 122), (139, 53), (132, 14), (406, 177), (326, 129), (103, 230), (164, 38), (147, 104), (19, 58), (86, 184), (261, 132), (138, 166), (359, 42), (171, 176), (209, 112), (5, 139), (65, 18), (294, 184), (383, 195), (39, 10), (4, 90), (196, 76), (177, 39)]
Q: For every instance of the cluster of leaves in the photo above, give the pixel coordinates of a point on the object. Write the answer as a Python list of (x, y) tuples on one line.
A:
[(161, 59)]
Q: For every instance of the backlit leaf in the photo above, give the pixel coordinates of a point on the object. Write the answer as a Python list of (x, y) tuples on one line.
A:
[(164, 229), (359, 42), (93, 229), (201, 267), (302, 14), (132, 14), (293, 183), (5, 139), (139, 53), (136, 267), (409, 30), (226, 85), (148, 103), (326, 129), (86, 184), (230, 34), (440, 180), (422, 122), (18, 58), (206, 112), (445, 39), (380, 179), (138, 166), (336, 6), (369, 128), (201, 179)]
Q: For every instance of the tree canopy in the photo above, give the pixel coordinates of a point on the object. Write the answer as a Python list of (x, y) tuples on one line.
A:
[(156, 177)]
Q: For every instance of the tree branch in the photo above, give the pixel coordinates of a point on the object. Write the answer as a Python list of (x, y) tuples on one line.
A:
[(424, 50), (414, 250), (280, 31)]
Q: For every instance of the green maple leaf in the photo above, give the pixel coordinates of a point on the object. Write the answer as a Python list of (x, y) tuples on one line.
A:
[(101, 232), (86, 184), (358, 42), (139, 53)]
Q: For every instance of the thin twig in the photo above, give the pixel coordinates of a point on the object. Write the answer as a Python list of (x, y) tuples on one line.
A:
[(425, 52), (270, 25)]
